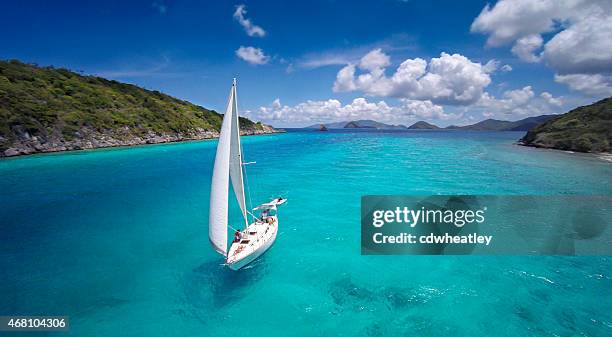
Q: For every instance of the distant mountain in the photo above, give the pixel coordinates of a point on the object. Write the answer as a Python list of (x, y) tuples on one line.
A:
[(422, 125), (485, 125), (360, 124), (499, 125), (336, 125), (355, 125), (584, 129)]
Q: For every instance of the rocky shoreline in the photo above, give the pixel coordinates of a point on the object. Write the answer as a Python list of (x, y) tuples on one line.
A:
[(607, 156), (92, 139)]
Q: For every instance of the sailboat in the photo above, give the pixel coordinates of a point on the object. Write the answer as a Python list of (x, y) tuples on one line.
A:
[(252, 239)]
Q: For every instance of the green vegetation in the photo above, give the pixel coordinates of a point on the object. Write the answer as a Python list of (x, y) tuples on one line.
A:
[(584, 129), (46, 102)]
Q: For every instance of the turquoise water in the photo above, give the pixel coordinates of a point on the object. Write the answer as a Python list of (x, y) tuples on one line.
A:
[(117, 240)]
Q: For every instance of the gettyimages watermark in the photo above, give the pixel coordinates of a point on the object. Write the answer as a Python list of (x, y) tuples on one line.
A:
[(486, 225)]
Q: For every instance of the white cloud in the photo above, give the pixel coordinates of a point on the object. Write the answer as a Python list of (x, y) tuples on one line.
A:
[(590, 84), (252, 55), (360, 108), (426, 110), (548, 97), (519, 103), (345, 79), (494, 65), (448, 79), (249, 27), (491, 66), (352, 54), (318, 61), (584, 47), (510, 20), (374, 60), (526, 47), (580, 43)]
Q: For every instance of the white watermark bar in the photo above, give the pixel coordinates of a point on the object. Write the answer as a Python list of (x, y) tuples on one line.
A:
[(486, 225), (34, 323)]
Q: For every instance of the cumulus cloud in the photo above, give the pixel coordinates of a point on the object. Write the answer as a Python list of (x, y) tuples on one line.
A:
[(506, 68), (252, 55), (360, 108), (584, 47), (448, 79), (526, 47), (581, 36), (425, 110), (548, 98), (249, 27), (590, 84), (345, 79), (374, 60), (510, 20), (518, 103)]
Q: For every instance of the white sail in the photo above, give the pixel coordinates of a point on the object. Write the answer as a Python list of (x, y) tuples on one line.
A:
[(235, 166), (219, 190)]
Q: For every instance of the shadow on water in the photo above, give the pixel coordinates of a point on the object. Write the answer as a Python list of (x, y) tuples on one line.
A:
[(214, 285), (404, 306), (349, 296)]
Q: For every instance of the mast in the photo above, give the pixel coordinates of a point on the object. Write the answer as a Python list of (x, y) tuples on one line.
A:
[(236, 162)]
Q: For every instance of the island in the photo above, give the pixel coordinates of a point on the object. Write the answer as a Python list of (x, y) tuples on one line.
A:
[(44, 109), (584, 129), (359, 124), (485, 125), (422, 125)]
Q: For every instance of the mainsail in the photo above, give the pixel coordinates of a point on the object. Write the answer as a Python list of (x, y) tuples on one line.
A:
[(235, 166), (228, 163)]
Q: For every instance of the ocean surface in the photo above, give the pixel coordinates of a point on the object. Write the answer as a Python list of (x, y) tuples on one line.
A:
[(117, 240)]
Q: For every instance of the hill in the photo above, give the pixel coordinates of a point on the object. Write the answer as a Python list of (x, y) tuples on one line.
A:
[(422, 125), (499, 125), (336, 125), (48, 109), (485, 125), (531, 122), (584, 129)]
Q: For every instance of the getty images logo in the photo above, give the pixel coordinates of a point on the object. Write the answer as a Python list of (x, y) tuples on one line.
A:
[(412, 217)]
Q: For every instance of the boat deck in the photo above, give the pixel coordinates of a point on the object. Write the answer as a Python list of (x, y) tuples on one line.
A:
[(256, 236)]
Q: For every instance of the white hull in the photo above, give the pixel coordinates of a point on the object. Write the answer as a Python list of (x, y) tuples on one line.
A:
[(256, 239)]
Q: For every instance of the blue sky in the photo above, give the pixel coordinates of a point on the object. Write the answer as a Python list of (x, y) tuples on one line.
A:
[(294, 53)]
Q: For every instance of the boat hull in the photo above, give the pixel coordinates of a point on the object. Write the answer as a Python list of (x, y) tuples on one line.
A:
[(260, 244)]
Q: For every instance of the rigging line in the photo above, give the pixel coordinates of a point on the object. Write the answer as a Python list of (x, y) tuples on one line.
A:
[(242, 163), (240, 152), (246, 180)]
